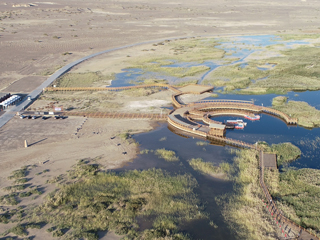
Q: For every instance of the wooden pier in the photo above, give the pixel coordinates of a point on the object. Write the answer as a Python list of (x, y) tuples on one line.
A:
[(184, 118), (201, 111)]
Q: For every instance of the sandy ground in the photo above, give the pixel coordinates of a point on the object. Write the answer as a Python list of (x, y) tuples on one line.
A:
[(57, 149), (38, 38), (35, 36)]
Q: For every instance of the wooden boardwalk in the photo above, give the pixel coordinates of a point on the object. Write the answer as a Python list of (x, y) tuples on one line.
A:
[(118, 115), (202, 111), (111, 89)]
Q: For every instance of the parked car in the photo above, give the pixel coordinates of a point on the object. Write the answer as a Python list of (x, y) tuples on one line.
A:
[(29, 117), (34, 117), (56, 117), (22, 116), (44, 118)]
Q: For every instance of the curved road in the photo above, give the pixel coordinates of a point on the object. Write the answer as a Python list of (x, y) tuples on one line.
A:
[(10, 112)]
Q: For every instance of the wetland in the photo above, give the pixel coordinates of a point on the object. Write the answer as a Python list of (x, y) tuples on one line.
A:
[(179, 187)]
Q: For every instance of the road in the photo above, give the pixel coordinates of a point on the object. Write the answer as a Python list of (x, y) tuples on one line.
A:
[(11, 112)]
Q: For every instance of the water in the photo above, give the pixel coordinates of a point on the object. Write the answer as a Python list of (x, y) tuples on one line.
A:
[(269, 129), (209, 187), (238, 48)]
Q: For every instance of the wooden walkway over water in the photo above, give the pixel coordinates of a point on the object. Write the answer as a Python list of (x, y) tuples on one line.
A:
[(202, 111)]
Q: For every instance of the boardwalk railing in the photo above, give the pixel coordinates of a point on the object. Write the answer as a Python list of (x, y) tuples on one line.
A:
[(231, 106), (240, 107), (117, 115), (112, 89)]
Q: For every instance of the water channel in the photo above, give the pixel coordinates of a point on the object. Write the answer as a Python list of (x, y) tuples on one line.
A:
[(268, 128)]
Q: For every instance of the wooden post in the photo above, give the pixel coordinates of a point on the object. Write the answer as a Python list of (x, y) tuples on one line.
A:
[(25, 143)]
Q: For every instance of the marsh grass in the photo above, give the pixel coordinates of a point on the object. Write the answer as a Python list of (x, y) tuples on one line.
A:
[(112, 201), (286, 152), (235, 77), (280, 100), (80, 79), (83, 169), (151, 81), (296, 70), (300, 191), (188, 50), (307, 115), (244, 210), (202, 143), (167, 155), (288, 37), (208, 168), (185, 83)]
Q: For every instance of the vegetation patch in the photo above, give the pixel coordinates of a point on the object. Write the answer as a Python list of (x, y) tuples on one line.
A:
[(288, 37), (140, 92), (244, 210), (297, 69), (182, 51), (307, 115), (202, 143), (20, 173), (167, 155), (110, 201), (80, 79), (280, 100), (150, 81), (235, 76), (208, 168), (298, 195), (286, 152)]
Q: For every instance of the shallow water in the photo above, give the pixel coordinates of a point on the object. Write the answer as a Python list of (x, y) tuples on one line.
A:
[(269, 129), (209, 187), (236, 47)]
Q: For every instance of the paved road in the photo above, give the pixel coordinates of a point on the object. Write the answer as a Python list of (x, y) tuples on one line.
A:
[(10, 112)]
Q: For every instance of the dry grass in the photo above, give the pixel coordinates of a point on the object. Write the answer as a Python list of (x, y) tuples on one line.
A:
[(109, 201), (82, 79)]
